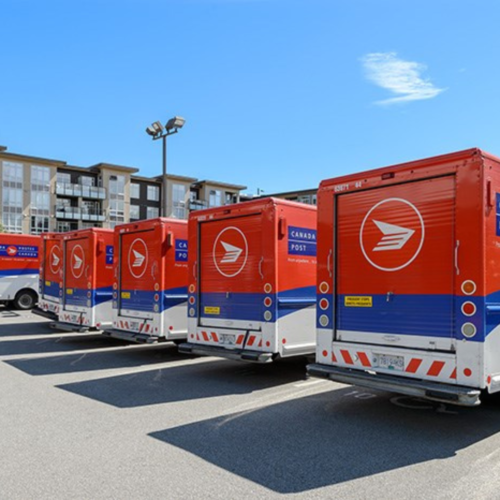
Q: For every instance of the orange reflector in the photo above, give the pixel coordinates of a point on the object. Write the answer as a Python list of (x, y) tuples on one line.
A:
[(468, 287)]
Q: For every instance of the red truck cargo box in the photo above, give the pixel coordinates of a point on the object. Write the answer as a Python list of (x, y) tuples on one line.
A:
[(252, 293), (51, 277), (87, 280), (409, 280), (151, 285)]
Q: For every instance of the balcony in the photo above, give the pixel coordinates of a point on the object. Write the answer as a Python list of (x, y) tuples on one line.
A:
[(197, 205), (73, 213), (92, 215), (93, 192)]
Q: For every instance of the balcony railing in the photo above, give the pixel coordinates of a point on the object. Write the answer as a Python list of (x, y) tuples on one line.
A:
[(197, 205), (92, 215), (67, 189), (74, 213), (77, 213)]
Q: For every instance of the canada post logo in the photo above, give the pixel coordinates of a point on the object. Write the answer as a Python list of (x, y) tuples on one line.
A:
[(138, 258), (12, 251), (77, 261), (230, 252), (392, 234), (55, 259)]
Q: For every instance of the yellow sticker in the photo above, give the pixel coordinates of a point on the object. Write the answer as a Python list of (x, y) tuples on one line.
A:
[(69, 291), (125, 295), (358, 301), (47, 283), (212, 310)]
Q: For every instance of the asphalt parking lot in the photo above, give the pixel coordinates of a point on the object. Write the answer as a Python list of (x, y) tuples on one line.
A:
[(82, 416)]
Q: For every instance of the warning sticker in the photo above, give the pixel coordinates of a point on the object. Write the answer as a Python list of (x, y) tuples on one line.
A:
[(69, 291), (125, 295), (357, 301), (212, 310)]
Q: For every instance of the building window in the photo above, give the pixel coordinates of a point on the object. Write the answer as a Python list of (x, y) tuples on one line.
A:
[(40, 199), (116, 200), (179, 201), (63, 178), (85, 180), (63, 227), (135, 212), (152, 213), (231, 198), (91, 207), (90, 225), (135, 190), (215, 199), (12, 196), (153, 193)]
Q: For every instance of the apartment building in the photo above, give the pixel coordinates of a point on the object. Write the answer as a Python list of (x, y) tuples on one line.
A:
[(308, 196), (42, 194)]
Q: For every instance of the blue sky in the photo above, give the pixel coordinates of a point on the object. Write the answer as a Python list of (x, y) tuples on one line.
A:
[(277, 94)]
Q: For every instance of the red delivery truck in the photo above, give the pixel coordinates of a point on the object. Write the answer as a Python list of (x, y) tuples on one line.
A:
[(150, 289), (252, 275), (87, 280), (409, 278), (51, 276), (19, 269)]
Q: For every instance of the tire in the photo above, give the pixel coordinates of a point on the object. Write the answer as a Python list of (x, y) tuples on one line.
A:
[(25, 299)]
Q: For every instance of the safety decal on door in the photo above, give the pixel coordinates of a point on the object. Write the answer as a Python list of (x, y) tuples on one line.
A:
[(392, 234), (77, 261), (138, 258), (55, 259), (230, 251)]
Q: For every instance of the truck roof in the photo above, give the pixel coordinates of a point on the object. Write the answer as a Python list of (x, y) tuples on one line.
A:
[(250, 205), (415, 164)]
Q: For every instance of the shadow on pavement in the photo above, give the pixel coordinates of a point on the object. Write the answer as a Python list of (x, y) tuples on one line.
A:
[(27, 328), (131, 355), (329, 438), (212, 378), (56, 343)]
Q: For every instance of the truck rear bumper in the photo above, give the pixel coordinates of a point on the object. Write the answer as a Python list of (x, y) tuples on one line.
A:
[(444, 393), (45, 314), (238, 354), (139, 338), (70, 327)]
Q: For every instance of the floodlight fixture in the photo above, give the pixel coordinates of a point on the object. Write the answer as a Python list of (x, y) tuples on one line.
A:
[(175, 123)]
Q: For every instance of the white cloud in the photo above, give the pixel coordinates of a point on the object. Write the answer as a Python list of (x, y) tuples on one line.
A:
[(403, 78)]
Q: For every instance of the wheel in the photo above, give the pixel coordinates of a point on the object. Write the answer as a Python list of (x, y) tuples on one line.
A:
[(25, 299)]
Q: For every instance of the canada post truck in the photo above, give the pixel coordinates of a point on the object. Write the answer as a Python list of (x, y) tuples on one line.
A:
[(87, 280), (19, 269), (252, 274), (150, 286), (409, 278), (51, 276)]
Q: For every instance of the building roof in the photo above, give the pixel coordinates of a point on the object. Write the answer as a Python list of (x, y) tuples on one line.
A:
[(176, 178), (111, 166), (21, 157), (291, 193), (221, 184)]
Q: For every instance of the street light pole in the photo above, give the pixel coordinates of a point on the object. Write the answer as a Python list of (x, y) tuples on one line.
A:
[(158, 131), (164, 204)]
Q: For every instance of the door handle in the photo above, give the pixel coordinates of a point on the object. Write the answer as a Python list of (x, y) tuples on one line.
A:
[(457, 269)]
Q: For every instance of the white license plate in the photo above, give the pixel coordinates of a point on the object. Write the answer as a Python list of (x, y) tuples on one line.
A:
[(226, 338), (389, 362), (134, 325)]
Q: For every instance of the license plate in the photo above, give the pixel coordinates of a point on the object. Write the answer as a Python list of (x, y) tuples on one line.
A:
[(226, 338), (389, 362), (134, 325)]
